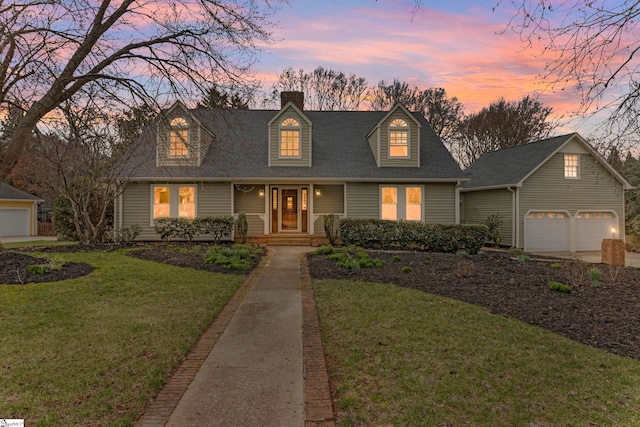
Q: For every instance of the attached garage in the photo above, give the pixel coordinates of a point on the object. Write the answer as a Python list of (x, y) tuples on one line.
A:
[(546, 231), (592, 227), (14, 222)]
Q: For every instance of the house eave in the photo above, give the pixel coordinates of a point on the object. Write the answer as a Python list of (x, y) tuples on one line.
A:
[(490, 187), (292, 179)]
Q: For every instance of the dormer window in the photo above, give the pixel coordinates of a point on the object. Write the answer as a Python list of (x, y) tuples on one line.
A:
[(179, 138), (290, 138), (398, 138)]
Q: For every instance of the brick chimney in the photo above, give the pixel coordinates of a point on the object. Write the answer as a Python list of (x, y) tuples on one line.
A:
[(296, 97)]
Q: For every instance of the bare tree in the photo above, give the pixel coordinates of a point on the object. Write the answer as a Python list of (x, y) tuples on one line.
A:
[(51, 49), (501, 125), (593, 48), (444, 114), (324, 89), (82, 158)]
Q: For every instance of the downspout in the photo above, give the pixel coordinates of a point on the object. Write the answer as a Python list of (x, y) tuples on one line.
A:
[(456, 201), (515, 223)]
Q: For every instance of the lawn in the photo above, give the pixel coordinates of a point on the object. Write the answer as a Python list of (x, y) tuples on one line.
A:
[(403, 357), (94, 350)]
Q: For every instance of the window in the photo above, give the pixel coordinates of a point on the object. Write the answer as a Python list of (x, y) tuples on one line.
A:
[(174, 201), (414, 204), (389, 203), (398, 138), (571, 166), (290, 138), (179, 138), (401, 202)]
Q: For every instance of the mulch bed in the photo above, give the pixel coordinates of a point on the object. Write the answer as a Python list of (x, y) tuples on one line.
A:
[(13, 269), (606, 317)]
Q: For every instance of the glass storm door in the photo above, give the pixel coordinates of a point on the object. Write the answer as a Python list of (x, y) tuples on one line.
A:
[(289, 205)]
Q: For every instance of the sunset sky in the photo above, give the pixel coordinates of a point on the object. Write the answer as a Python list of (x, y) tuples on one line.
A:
[(460, 45)]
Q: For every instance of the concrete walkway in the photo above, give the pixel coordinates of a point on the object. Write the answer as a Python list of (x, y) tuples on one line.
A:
[(254, 374), (632, 259)]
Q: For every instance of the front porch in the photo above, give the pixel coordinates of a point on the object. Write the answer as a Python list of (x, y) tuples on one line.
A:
[(288, 239)]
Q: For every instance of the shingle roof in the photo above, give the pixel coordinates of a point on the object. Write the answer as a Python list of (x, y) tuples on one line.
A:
[(510, 166), (340, 149), (7, 192)]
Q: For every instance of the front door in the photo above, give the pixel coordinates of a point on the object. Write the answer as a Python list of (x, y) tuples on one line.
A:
[(289, 204)]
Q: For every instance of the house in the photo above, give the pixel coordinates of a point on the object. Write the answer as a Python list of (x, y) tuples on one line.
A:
[(287, 169), (18, 212), (557, 194)]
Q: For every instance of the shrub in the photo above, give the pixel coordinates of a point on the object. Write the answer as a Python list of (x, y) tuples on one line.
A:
[(126, 234), (493, 223), (559, 287), (236, 257), (556, 265), (523, 258), (465, 269), (324, 250), (515, 251), (351, 257), (330, 229), (427, 261), (462, 253), (407, 269), (37, 269), (242, 227), (396, 258), (215, 226), (377, 233), (595, 274)]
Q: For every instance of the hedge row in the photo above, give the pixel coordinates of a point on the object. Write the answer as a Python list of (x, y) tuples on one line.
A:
[(384, 234), (183, 228)]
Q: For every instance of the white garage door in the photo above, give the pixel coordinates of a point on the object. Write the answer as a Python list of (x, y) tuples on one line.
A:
[(14, 222), (592, 227), (546, 232)]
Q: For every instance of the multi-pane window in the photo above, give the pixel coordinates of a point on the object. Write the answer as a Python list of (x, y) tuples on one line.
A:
[(571, 166), (389, 203), (398, 138), (173, 201), (414, 204), (179, 138), (401, 202), (290, 138)]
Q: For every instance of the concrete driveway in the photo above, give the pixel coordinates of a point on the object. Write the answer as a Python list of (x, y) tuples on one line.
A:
[(632, 259)]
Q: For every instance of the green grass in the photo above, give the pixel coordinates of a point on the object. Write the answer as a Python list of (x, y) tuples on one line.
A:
[(401, 357), (94, 350), (33, 243)]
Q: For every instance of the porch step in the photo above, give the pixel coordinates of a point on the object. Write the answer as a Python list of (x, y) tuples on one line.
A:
[(288, 239)]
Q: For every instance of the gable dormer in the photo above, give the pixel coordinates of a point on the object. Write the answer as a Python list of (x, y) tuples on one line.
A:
[(290, 133), (181, 139), (395, 141)]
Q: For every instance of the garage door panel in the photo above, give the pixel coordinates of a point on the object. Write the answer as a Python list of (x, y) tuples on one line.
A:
[(14, 222), (592, 227), (546, 232)]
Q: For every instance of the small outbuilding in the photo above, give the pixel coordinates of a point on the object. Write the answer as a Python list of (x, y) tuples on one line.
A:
[(18, 212)]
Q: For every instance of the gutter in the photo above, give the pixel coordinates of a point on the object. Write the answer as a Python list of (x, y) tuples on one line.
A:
[(515, 222)]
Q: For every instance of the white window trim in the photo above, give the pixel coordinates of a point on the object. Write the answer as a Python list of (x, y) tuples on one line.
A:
[(408, 130), (280, 129), (187, 144), (564, 166), (401, 213), (174, 199)]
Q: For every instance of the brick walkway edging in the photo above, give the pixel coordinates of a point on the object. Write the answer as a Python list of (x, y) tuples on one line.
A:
[(317, 394), (160, 409)]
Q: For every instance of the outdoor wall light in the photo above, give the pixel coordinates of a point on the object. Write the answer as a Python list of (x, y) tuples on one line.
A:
[(613, 231), (261, 193), (317, 191)]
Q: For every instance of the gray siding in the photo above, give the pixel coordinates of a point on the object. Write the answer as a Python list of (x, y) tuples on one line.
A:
[(318, 225), (478, 205), (214, 199), (211, 200), (136, 202), (305, 140), (330, 200), (363, 200), (256, 225), (547, 189), (249, 201), (440, 203), (414, 137)]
